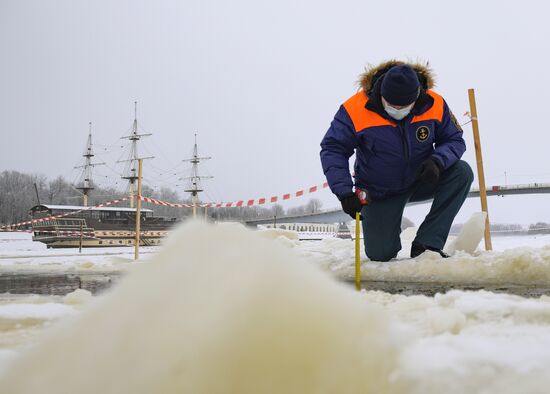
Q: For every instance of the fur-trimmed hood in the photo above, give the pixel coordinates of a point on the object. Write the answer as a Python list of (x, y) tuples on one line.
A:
[(372, 74)]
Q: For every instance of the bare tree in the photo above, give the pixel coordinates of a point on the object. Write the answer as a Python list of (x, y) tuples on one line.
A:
[(313, 205), (277, 210), (61, 192)]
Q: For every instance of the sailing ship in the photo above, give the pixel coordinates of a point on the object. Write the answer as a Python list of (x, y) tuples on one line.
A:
[(101, 226), (69, 226)]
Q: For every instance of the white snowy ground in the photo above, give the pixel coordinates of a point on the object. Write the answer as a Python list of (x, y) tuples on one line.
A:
[(508, 263), (19, 252), (24, 317), (516, 260), (477, 342)]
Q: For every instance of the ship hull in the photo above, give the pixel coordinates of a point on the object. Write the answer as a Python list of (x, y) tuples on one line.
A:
[(74, 226), (101, 239)]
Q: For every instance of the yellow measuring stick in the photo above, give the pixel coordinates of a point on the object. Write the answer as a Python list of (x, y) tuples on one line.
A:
[(357, 251)]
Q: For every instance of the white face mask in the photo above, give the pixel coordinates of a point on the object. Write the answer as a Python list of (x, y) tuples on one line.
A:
[(397, 114)]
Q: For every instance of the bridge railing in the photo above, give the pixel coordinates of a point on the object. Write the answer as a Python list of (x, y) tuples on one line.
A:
[(523, 186)]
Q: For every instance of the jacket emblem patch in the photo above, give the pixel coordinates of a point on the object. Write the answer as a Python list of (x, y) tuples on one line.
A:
[(422, 133), (455, 122)]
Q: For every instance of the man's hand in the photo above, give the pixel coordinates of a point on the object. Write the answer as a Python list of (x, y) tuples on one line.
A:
[(429, 172), (351, 204)]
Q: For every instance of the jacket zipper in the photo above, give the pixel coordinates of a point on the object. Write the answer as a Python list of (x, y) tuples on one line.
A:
[(405, 140)]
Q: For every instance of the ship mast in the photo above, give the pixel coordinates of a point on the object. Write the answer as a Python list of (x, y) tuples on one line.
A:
[(86, 185), (131, 173), (195, 178)]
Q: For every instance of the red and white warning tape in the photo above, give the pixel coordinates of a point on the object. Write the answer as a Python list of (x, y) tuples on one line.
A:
[(164, 204), (105, 204), (61, 232), (243, 203), (131, 233), (234, 204), (92, 234)]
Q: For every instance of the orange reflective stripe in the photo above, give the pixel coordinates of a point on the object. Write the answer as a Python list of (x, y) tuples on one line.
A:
[(362, 117), (435, 112)]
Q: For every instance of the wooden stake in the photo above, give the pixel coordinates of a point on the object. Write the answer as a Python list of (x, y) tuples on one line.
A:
[(138, 209), (132, 192), (80, 243), (480, 173)]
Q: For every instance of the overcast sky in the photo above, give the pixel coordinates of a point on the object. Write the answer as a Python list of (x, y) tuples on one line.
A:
[(260, 82)]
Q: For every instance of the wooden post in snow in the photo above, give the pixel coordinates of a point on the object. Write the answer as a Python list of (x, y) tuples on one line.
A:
[(138, 208), (80, 242), (480, 173)]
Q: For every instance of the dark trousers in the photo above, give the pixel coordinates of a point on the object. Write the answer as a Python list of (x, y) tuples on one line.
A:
[(382, 218)]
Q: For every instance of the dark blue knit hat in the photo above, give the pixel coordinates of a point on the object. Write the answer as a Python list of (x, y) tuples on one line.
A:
[(400, 85)]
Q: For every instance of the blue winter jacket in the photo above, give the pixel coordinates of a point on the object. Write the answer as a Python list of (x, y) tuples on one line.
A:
[(388, 152)]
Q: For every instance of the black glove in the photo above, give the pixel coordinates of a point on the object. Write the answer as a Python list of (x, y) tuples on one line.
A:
[(350, 204), (429, 171)]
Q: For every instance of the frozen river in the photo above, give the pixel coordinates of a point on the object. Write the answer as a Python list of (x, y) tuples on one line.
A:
[(222, 309)]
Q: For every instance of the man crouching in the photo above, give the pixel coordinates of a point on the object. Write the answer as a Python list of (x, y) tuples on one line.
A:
[(408, 146)]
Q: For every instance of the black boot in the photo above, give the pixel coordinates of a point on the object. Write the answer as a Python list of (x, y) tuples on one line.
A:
[(417, 249)]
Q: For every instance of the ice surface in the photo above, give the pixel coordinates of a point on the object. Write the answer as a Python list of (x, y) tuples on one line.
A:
[(218, 310), (18, 252), (272, 233), (470, 235), (524, 265), (231, 315), (473, 342), (23, 319), (78, 297), (32, 312)]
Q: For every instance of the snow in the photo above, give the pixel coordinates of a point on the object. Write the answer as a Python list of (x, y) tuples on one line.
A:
[(19, 252), (245, 316), (258, 308), (470, 234), (495, 342), (77, 297), (504, 265), (271, 233), (24, 318), (33, 312)]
